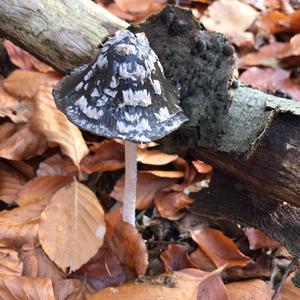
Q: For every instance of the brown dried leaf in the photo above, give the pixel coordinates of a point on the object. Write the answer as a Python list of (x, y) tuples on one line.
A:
[(219, 248), (254, 289), (175, 258), (25, 288), (25, 143), (10, 262), (258, 239), (229, 16), (170, 203), (199, 260), (56, 127), (11, 182), (147, 186), (19, 226), (190, 284), (6, 130), (102, 270), (271, 79), (155, 157), (126, 243), (275, 22), (21, 83), (289, 291), (56, 165), (19, 111), (41, 189), (106, 156), (23, 59), (72, 226)]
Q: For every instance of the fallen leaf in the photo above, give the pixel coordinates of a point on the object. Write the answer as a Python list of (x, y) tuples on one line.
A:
[(154, 157), (126, 242), (289, 291), (169, 204), (25, 143), (21, 83), (271, 79), (276, 21), (258, 239), (220, 249), (147, 186), (190, 284), (25, 288), (199, 260), (56, 165), (106, 156), (23, 59), (134, 6), (6, 130), (102, 270), (55, 126), (65, 288), (254, 289), (72, 226), (41, 189), (175, 258), (11, 182), (19, 226), (10, 262), (229, 16), (19, 111)]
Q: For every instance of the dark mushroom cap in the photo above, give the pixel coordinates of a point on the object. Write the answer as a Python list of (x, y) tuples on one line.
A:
[(123, 93)]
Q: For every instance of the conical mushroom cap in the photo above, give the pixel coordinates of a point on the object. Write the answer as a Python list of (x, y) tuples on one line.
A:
[(123, 93)]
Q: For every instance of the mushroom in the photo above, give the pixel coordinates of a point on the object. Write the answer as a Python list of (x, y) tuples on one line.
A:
[(122, 94)]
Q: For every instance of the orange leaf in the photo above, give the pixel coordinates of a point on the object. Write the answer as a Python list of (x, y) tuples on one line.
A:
[(219, 248), (254, 289), (72, 226), (289, 291), (41, 189), (202, 167), (23, 144), (11, 182), (107, 156), (126, 243), (26, 288), (165, 174), (200, 261), (147, 186), (56, 127)]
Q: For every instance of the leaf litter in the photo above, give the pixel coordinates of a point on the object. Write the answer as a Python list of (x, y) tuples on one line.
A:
[(64, 239)]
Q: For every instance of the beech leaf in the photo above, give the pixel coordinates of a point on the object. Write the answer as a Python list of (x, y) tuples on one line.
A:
[(72, 226), (56, 127), (25, 288), (10, 262)]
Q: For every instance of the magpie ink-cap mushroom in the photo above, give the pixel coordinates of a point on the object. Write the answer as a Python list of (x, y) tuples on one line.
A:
[(123, 94)]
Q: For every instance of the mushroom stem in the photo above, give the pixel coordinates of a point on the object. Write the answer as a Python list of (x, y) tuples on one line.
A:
[(129, 196)]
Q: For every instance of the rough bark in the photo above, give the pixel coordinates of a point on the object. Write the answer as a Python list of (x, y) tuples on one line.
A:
[(62, 33), (255, 139)]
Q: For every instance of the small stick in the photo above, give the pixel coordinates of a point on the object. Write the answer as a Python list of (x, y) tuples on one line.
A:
[(284, 277), (129, 196)]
